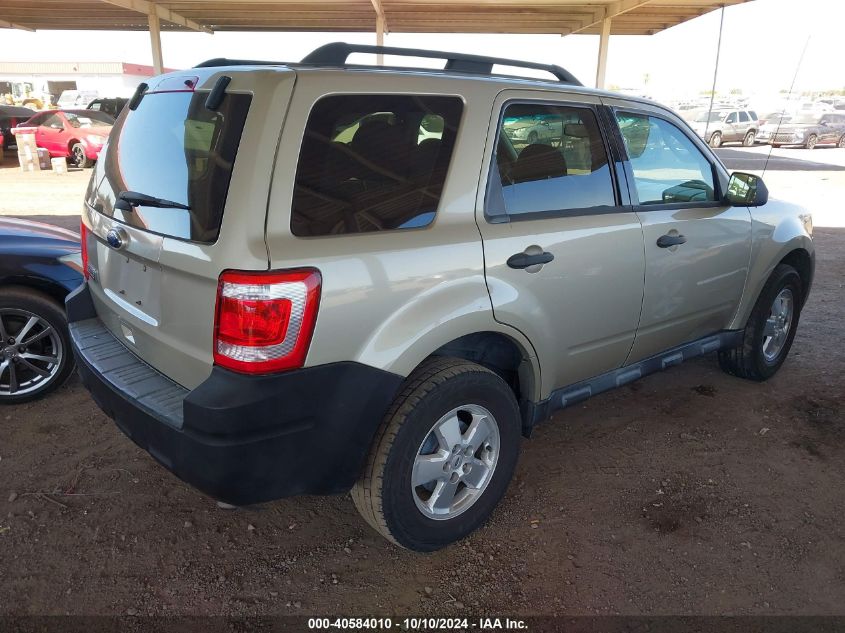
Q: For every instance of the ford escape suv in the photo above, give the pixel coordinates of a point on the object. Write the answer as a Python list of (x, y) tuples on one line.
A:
[(319, 277)]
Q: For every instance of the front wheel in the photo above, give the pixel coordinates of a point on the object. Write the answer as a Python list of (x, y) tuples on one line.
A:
[(770, 329), (716, 140), (811, 142), (443, 457), (78, 156), (748, 141)]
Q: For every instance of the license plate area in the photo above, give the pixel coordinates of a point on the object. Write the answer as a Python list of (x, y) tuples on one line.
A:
[(132, 284)]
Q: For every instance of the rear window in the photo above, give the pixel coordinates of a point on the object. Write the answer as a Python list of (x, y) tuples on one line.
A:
[(173, 147), (373, 163)]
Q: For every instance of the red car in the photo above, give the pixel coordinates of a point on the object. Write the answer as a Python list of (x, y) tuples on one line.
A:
[(75, 134)]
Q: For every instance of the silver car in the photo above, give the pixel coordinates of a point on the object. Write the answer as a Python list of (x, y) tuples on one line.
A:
[(726, 126), (313, 278)]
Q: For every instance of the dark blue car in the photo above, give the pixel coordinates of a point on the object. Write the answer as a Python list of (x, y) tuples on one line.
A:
[(39, 265)]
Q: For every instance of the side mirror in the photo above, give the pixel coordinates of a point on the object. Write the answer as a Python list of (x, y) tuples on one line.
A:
[(746, 190)]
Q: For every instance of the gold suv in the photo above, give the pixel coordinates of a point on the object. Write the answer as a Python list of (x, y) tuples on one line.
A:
[(318, 277)]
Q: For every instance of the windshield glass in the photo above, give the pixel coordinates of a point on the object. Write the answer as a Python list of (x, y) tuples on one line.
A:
[(704, 117), (86, 120), (806, 118), (777, 117), (175, 148)]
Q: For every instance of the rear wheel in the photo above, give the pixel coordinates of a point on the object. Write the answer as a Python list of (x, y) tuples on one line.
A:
[(77, 154), (35, 355), (811, 141), (770, 330), (443, 457), (841, 143), (748, 141), (716, 139)]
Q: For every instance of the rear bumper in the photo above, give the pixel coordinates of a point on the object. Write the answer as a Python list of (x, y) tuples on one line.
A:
[(241, 439)]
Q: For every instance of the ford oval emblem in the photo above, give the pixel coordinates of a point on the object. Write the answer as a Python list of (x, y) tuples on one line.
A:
[(115, 239)]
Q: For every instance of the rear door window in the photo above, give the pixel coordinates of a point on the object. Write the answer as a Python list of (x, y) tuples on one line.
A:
[(173, 147), (549, 159), (373, 163)]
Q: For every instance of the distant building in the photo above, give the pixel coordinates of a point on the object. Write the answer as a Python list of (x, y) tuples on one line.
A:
[(38, 84)]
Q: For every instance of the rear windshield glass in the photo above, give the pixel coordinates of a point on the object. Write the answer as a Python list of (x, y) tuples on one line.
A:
[(172, 147), (373, 163)]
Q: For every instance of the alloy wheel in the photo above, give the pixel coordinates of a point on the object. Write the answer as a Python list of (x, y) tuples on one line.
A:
[(31, 352), (776, 330), (455, 462)]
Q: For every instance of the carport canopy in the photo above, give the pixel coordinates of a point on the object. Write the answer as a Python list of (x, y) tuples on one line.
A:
[(563, 17)]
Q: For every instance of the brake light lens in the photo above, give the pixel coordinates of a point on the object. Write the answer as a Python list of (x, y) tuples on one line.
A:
[(264, 321), (83, 239)]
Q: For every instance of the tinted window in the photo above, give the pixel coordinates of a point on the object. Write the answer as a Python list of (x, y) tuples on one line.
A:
[(88, 118), (731, 118), (173, 147), (54, 120), (753, 115), (37, 120), (549, 158), (667, 165), (373, 163), (91, 115), (743, 117)]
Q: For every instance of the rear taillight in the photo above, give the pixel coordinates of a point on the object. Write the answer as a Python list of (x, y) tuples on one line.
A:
[(264, 321), (83, 239)]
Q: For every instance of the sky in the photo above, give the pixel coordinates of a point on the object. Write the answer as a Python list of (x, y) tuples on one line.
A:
[(762, 42)]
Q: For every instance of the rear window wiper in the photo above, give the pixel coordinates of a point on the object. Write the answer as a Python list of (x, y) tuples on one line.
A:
[(134, 199)]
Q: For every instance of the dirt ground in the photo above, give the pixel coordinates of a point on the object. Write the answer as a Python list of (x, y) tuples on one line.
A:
[(688, 492)]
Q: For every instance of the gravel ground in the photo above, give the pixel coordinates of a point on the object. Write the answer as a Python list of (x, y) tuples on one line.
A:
[(688, 492)]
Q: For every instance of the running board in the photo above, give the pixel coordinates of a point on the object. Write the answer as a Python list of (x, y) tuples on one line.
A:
[(567, 396)]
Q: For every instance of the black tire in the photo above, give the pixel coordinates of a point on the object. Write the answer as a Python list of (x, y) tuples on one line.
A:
[(748, 359), (811, 141), (78, 157), (532, 137), (748, 141), (716, 140), (841, 143), (384, 495), (46, 308)]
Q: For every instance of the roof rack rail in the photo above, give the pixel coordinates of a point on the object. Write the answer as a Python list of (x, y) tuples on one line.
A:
[(336, 54), (224, 61)]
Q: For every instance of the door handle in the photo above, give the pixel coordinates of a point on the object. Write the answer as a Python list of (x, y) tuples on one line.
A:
[(665, 241), (524, 260)]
